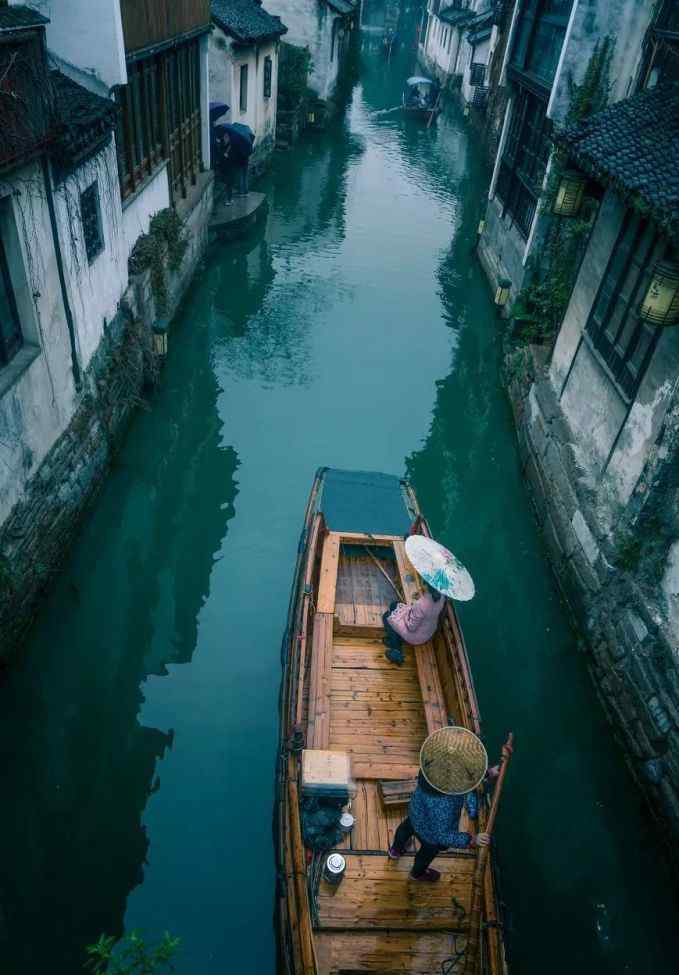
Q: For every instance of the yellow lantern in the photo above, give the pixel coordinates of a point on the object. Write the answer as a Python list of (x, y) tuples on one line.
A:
[(504, 286), (311, 118), (160, 337), (661, 302), (570, 194), (481, 227)]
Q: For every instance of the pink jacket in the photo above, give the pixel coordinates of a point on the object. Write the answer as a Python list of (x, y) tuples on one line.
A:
[(416, 622)]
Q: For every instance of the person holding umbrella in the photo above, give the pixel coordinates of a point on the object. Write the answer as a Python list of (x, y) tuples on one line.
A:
[(443, 576), (235, 143), (453, 763)]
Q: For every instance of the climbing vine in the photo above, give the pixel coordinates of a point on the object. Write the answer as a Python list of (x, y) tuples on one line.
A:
[(541, 305), (132, 956), (162, 247)]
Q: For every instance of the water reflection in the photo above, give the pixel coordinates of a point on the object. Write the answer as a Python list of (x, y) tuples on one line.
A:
[(77, 765)]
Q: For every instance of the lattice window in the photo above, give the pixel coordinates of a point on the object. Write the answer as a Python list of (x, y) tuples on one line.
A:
[(525, 158), (90, 214), (268, 68), (159, 118), (477, 74), (623, 341)]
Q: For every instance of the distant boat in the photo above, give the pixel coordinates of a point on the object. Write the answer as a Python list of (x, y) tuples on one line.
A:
[(421, 96), (351, 720)]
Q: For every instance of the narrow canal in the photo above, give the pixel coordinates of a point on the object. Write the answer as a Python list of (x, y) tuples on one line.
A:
[(139, 735)]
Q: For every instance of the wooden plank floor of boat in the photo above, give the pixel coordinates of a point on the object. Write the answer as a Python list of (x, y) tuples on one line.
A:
[(377, 919)]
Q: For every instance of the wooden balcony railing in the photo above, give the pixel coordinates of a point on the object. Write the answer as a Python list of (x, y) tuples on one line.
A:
[(151, 23)]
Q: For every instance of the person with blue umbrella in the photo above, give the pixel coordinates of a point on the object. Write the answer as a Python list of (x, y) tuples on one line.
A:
[(235, 143)]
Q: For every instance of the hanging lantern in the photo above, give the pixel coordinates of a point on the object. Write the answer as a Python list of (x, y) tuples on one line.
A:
[(160, 337), (570, 194), (466, 110), (311, 118), (504, 286), (481, 227), (661, 303)]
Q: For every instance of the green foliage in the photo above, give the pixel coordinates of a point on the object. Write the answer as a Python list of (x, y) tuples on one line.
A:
[(294, 67), (164, 245), (541, 305), (592, 94), (132, 956)]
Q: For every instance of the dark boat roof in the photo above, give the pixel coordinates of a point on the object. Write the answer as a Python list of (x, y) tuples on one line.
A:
[(364, 501)]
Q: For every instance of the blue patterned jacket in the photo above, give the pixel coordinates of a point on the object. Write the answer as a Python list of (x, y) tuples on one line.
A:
[(435, 817)]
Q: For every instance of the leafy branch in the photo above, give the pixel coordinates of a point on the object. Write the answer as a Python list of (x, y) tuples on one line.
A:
[(132, 955)]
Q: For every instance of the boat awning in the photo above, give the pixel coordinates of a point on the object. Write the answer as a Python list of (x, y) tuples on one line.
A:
[(364, 501), (418, 80)]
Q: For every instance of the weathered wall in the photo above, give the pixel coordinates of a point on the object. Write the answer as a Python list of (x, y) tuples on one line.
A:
[(225, 62), (45, 514), (310, 24), (616, 597)]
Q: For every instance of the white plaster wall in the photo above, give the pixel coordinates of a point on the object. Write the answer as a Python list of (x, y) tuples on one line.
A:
[(37, 407), (88, 34), (441, 45), (142, 205), (625, 22), (226, 60), (309, 24), (95, 289)]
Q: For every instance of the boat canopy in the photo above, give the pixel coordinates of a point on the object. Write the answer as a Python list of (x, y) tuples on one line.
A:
[(419, 80)]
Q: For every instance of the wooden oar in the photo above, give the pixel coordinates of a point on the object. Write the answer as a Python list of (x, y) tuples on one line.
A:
[(436, 105), (386, 575), (473, 938)]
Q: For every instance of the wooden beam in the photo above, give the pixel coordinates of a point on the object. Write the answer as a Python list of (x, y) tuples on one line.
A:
[(328, 578)]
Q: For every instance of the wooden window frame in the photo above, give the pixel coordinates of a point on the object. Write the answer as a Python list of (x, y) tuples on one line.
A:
[(268, 76), (12, 341), (477, 68), (160, 119), (90, 197), (243, 88), (524, 159), (630, 265)]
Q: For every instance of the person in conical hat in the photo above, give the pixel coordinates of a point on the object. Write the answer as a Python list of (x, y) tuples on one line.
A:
[(453, 763)]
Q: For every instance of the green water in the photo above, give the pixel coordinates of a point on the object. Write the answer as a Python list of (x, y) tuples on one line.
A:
[(139, 736)]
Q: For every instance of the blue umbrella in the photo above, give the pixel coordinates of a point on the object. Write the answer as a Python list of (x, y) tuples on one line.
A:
[(217, 109), (241, 136)]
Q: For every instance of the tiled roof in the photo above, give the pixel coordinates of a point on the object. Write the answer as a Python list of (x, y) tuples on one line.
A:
[(343, 6), (84, 120), (456, 17), (246, 20), (633, 145), (14, 18)]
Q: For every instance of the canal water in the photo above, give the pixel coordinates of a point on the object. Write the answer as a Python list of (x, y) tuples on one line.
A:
[(139, 735)]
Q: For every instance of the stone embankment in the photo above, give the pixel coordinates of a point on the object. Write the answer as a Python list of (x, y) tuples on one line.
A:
[(611, 581)]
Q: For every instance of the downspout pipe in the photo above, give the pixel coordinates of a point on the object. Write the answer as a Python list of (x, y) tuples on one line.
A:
[(75, 365)]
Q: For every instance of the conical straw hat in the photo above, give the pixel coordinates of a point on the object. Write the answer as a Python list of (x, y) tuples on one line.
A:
[(453, 760), (439, 567)]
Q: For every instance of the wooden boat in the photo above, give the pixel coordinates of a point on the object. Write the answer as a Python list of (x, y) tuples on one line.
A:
[(422, 97), (339, 693)]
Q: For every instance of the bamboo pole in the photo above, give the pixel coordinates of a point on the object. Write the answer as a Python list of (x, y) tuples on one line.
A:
[(386, 575), (435, 108), (471, 954)]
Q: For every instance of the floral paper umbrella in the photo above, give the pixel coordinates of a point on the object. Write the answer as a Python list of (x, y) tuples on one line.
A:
[(439, 568)]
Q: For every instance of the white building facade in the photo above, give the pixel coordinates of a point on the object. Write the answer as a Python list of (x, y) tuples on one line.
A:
[(457, 43), (88, 155), (243, 65), (324, 28)]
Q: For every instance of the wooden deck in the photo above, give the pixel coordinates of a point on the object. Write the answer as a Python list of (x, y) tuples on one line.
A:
[(377, 919)]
